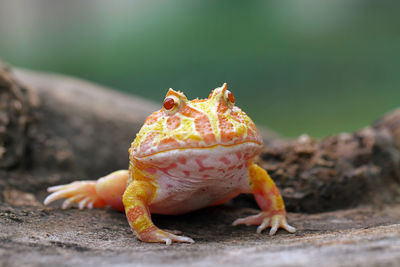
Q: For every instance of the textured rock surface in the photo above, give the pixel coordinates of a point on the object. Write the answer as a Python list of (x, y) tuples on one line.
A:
[(48, 236)]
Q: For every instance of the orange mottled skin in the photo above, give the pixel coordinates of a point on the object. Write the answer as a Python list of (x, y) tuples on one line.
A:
[(187, 155)]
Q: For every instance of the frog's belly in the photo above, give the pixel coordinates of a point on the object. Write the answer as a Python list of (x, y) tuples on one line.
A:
[(181, 195), (196, 178)]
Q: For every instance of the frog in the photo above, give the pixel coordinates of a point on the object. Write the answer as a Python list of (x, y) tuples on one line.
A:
[(188, 155)]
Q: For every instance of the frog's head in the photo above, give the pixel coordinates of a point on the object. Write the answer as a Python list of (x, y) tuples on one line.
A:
[(200, 123)]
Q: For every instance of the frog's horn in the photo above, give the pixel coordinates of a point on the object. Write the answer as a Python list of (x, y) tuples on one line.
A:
[(224, 86), (178, 94), (217, 92)]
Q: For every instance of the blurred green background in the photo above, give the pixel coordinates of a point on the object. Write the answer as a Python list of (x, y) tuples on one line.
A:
[(305, 66)]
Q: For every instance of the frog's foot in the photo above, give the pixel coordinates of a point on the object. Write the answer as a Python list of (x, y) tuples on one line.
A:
[(155, 235), (82, 193), (264, 220)]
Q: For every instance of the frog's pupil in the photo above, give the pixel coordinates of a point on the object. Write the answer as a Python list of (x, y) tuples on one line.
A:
[(169, 103)]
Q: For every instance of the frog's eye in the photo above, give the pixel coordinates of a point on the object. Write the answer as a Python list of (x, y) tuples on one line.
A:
[(170, 103), (229, 97)]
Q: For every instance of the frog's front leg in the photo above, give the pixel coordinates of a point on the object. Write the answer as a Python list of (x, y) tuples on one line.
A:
[(137, 198), (270, 201)]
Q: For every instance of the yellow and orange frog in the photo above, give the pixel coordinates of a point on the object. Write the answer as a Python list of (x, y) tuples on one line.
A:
[(188, 155)]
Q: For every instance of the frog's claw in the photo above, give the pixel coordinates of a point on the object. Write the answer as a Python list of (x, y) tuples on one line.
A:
[(265, 220), (159, 236), (82, 193)]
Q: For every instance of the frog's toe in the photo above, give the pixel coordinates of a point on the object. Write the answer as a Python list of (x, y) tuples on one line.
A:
[(62, 192), (276, 221), (250, 220), (85, 203), (263, 225), (176, 238), (175, 232), (70, 201), (82, 193), (161, 236), (285, 226), (265, 220)]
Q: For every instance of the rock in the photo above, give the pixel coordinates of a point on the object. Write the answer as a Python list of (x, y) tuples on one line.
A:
[(50, 236)]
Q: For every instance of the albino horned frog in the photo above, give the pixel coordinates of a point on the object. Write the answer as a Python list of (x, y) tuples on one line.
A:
[(188, 155)]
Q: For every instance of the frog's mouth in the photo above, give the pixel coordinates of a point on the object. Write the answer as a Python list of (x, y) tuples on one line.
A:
[(248, 146)]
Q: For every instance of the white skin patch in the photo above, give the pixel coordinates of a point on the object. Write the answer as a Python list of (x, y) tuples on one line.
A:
[(190, 179)]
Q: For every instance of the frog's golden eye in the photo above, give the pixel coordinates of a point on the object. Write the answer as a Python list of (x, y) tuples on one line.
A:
[(229, 97), (171, 103)]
